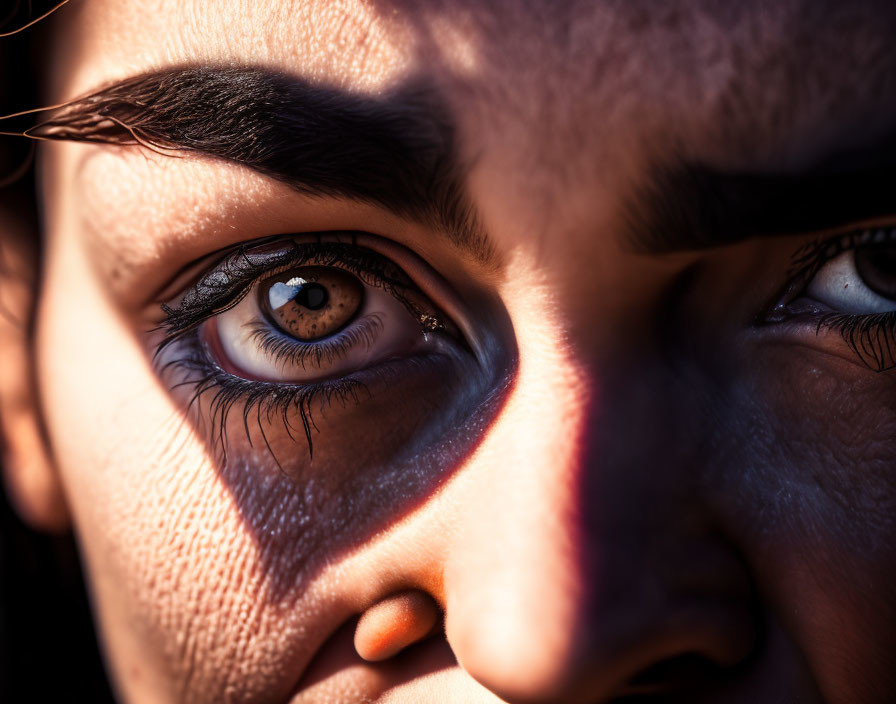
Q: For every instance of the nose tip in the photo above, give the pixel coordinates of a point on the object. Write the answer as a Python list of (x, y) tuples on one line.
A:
[(584, 563), (505, 660), (547, 601), (513, 641), (624, 653)]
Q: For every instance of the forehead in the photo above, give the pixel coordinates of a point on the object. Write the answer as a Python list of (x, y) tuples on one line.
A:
[(564, 93), (530, 54)]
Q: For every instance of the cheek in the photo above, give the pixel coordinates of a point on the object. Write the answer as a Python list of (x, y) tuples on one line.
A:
[(177, 578), (810, 491), (219, 575), (828, 431)]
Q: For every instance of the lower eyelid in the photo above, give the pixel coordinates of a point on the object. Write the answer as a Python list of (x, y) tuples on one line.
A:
[(869, 340), (298, 410), (362, 333), (279, 351)]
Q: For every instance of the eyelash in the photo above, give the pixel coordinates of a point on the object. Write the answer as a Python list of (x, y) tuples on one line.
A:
[(872, 337), (228, 281), (225, 284)]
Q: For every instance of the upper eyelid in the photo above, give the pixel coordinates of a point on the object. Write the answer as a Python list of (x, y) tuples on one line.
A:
[(183, 315), (235, 273)]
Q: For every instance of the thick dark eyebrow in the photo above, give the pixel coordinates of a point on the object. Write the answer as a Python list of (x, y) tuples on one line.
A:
[(397, 151), (691, 206)]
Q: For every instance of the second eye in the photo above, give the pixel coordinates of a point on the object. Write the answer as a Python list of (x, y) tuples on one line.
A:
[(858, 281)]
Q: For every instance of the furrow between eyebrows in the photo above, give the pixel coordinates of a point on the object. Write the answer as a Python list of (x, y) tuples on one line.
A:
[(397, 152)]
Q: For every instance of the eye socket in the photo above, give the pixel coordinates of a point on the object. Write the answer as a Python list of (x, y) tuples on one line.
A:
[(858, 281), (311, 302)]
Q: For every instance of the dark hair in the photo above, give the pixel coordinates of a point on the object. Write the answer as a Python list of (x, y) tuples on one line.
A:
[(48, 647)]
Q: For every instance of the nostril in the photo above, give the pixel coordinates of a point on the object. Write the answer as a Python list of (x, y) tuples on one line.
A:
[(675, 674)]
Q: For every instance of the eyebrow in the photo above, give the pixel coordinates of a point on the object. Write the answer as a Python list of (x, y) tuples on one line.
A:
[(397, 151), (690, 206)]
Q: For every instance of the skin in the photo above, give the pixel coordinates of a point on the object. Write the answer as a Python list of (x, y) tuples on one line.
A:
[(611, 499)]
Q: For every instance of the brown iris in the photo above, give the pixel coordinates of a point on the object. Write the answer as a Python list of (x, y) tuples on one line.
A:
[(312, 302), (877, 267)]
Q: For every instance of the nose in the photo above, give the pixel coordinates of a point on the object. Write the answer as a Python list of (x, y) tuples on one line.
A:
[(584, 566)]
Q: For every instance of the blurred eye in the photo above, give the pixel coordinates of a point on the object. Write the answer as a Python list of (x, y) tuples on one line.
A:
[(858, 281), (312, 323)]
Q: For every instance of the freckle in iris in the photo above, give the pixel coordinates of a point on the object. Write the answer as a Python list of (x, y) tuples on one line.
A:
[(311, 303)]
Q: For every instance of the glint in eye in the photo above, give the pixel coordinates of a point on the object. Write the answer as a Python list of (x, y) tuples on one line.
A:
[(312, 302)]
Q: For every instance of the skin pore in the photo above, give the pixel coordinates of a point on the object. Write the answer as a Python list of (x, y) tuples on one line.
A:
[(614, 449)]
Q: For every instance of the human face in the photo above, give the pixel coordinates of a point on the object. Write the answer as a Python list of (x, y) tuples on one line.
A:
[(616, 413)]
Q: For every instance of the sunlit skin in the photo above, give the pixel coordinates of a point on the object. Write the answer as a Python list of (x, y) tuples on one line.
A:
[(629, 479)]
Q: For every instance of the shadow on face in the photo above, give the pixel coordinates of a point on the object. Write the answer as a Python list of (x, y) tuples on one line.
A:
[(649, 461)]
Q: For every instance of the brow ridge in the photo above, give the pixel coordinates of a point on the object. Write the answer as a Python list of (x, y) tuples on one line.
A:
[(686, 205), (397, 151)]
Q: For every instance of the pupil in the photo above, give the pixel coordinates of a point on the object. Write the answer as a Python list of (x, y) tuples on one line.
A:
[(312, 296)]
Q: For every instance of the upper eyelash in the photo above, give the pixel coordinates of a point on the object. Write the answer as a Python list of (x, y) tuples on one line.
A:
[(231, 279)]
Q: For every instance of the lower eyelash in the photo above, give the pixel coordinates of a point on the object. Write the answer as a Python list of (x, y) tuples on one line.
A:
[(363, 333), (260, 401), (871, 337)]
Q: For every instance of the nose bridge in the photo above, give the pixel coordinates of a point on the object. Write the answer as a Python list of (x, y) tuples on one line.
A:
[(513, 579), (581, 551)]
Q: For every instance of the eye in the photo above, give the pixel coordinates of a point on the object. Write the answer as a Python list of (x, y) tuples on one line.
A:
[(321, 321), (284, 327), (844, 285), (858, 281)]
